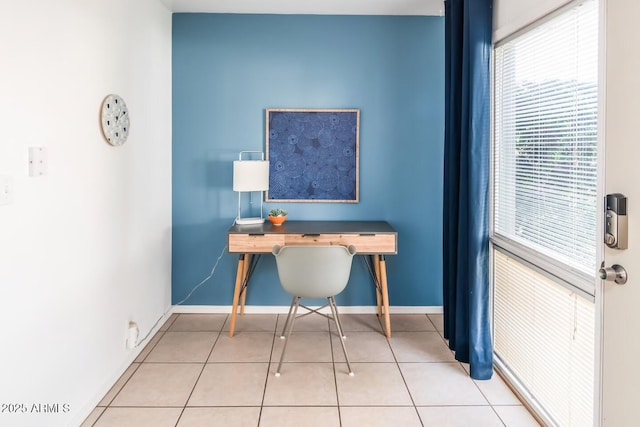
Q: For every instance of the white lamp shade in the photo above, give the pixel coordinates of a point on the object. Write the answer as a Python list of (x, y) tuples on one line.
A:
[(250, 175)]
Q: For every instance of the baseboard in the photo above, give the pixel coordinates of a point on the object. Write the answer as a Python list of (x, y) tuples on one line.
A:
[(282, 309)]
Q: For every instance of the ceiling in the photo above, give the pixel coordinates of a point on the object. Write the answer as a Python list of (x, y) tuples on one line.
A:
[(310, 7)]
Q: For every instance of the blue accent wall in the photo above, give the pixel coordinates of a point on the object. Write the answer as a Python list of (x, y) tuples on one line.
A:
[(227, 69)]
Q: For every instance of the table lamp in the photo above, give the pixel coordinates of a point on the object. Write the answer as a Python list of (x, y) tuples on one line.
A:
[(250, 176)]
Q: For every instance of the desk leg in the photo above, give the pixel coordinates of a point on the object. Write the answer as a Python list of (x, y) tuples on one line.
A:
[(245, 273), (385, 294), (376, 266), (240, 274)]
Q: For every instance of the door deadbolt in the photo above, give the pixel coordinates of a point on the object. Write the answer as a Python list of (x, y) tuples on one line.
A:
[(615, 273), (615, 226)]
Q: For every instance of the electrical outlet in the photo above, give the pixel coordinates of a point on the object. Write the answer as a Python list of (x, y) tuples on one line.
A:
[(6, 190), (132, 335)]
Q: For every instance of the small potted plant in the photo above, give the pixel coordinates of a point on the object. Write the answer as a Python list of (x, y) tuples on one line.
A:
[(277, 216)]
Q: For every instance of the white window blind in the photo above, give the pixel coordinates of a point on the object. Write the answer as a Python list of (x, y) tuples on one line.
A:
[(544, 333), (545, 139)]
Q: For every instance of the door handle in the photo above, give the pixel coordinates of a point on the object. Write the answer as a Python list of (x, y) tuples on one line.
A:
[(615, 273)]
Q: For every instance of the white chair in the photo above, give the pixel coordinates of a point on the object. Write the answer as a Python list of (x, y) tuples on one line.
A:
[(313, 272)]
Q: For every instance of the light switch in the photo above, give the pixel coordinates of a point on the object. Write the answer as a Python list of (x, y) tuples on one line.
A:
[(6, 190), (37, 161)]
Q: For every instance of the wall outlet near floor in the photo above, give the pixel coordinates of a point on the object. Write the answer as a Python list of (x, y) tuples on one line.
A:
[(132, 335), (6, 190)]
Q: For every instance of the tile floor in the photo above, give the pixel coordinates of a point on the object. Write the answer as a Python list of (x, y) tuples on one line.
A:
[(192, 374)]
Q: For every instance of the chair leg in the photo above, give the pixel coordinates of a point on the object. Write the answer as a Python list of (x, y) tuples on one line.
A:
[(334, 306), (296, 301), (284, 328), (336, 319)]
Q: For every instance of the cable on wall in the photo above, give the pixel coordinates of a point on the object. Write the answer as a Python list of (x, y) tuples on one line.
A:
[(213, 269)]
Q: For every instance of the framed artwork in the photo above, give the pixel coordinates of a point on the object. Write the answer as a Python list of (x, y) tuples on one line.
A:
[(314, 155)]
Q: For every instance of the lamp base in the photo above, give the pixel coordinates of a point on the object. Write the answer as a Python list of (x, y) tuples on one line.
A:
[(249, 221)]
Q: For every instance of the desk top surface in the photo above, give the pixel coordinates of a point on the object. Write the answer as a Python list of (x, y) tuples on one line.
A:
[(315, 227)]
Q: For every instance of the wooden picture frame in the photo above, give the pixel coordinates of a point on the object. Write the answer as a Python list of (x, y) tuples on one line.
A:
[(314, 155)]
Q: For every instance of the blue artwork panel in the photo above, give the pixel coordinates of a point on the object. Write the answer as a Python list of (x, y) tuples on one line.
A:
[(313, 155)]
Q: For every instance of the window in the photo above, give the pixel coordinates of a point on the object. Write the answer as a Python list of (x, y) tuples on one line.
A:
[(545, 146), (545, 338), (545, 212)]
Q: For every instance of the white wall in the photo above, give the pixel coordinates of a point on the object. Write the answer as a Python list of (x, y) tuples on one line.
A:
[(87, 247)]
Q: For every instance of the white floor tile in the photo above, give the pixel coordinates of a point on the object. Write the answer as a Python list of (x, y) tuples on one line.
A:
[(441, 384), (459, 416), (374, 384), (301, 384), (400, 416), (295, 416), (230, 384), (139, 417), (185, 347), (420, 347), (224, 416), (516, 416), (497, 392), (243, 347), (159, 384)]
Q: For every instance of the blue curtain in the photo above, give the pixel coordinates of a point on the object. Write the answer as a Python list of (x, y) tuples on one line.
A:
[(468, 27)]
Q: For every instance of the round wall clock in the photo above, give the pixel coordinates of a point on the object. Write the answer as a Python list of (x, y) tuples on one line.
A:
[(114, 117)]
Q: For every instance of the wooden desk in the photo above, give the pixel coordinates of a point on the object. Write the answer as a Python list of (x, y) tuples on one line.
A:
[(374, 239)]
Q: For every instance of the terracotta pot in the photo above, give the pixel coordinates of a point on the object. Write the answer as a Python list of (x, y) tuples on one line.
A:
[(277, 220)]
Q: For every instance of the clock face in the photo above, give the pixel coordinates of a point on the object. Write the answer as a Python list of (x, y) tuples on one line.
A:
[(115, 120)]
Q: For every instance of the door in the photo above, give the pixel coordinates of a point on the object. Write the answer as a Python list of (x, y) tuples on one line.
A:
[(620, 304)]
